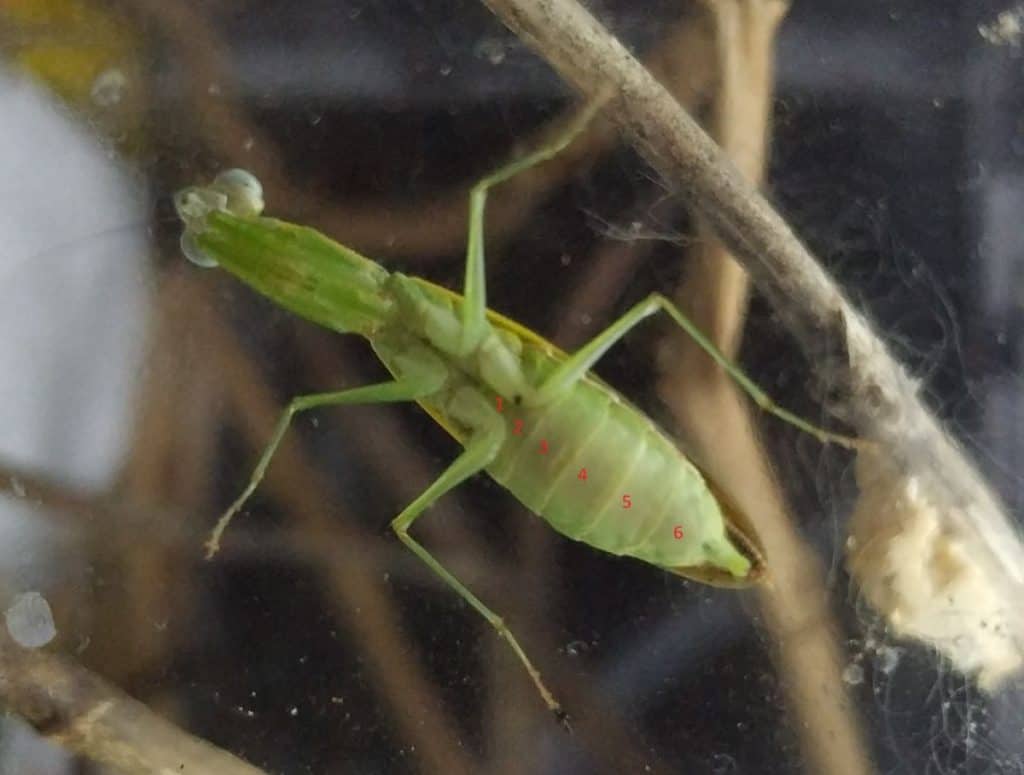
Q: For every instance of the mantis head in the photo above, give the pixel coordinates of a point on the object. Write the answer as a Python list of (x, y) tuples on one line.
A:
[(233, 191)]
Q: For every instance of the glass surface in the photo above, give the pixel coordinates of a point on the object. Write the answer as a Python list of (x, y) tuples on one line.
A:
[(136, 390)]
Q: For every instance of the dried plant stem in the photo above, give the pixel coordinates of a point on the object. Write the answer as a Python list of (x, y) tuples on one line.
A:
[(81, 712), (715, 417), (878, 397), (423, 229)]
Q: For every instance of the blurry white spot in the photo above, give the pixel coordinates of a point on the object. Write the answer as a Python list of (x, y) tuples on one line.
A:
[(566, 259), (293, 712), (853, 675), (213, 89), (30, 621), (108, 88), (585, 319), (888, 659), (491, 49), (723, 764), (17, 487), (1006, 30), (445, 70), (248, 144), (575, 648)]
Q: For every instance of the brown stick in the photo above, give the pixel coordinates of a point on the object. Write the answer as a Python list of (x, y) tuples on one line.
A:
[(420, 230), (879, 399), (713, 416), (81, 712)]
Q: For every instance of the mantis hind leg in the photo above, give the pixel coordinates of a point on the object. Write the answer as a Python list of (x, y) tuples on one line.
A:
[(481, 449), (474, 308), (423, 374), (579, 363)]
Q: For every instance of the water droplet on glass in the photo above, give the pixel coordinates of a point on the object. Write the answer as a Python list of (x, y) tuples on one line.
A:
[(491, 49), (888, 659), (723, 764), (108, 88), (17, 487), (853, 675), (30, 621), (575, 648)]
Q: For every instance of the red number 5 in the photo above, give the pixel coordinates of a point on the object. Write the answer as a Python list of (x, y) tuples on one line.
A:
[(627, 503)]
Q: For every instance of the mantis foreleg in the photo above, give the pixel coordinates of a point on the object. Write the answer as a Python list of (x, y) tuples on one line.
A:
[(474, 308)]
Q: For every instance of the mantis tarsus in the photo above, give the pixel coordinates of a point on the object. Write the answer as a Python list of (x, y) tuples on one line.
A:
[(565, 444)]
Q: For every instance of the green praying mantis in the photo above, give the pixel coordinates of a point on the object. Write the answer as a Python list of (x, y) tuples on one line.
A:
[(534, 418)]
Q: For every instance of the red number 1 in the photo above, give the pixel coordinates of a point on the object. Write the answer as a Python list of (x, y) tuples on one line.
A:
[(500, 403), (518, 429), (543, 446)]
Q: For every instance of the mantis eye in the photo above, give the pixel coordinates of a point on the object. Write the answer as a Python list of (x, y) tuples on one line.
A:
[(194, 253), (243, 190)]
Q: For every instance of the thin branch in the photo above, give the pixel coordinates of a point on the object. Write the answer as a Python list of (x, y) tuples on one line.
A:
[(81, 712), (424, 229), (878, 397), (711, 413)]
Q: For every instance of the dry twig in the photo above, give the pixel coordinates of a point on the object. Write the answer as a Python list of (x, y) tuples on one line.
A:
[(877, 396), (81, 712), (712, 415)]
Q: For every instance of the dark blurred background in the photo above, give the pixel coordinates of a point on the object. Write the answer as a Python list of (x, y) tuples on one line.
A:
[(314, 643)]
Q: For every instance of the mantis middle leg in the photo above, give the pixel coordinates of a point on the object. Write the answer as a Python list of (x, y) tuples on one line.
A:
[(423, 374)]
